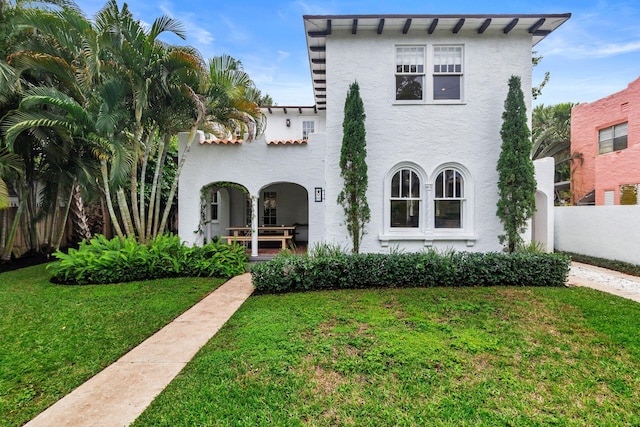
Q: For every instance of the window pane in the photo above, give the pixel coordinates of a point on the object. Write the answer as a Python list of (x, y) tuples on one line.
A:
[(395, 185), (446, 87), (620, 129), (405, 213), (406, 183), (439, 186), (629, 194), (606, 146), (409, 87), (620, 143), (448, 214), (605, 134), (415, 185)]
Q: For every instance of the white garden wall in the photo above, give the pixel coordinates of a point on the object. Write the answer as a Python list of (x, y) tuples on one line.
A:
[(611, 232)]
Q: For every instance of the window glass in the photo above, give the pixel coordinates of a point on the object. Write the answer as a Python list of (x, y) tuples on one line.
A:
[(613, 138), (405, 199), (449, 196), (307, 128), (269, 208), (409, 72), (447, 72)]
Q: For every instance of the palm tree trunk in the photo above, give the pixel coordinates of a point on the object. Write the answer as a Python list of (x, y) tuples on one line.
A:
[(3, 228), (6, 254), (125, 214), (107, 196), (144, 235), (154, 185), (158, 205), (79, 220), (63, 226)]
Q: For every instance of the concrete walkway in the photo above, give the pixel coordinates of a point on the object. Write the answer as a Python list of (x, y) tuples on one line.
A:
[(605, 280), (122, 391)]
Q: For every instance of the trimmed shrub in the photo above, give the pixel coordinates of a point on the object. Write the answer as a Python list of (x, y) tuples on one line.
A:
[(112, 261), (424, 269), (611, 264)]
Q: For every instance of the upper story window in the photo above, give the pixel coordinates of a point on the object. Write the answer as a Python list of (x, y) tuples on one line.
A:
[(410, 73), (405, 199), (613, 138), (307, 128), (449, 199), (447, 72)]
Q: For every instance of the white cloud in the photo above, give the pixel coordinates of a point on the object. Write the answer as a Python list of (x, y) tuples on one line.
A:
[(194, 29), (282, 55)]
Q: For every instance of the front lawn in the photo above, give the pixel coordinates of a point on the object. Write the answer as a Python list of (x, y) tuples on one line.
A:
[(415, 357), (55, 337)]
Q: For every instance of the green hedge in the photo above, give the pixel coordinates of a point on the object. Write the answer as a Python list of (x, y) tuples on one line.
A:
[(112, 261), (427, 269)]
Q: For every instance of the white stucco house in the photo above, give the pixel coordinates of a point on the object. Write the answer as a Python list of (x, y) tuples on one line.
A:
[(433, 88)]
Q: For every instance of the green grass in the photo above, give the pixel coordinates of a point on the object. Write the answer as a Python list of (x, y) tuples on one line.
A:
[(415, 357), (55, 337)]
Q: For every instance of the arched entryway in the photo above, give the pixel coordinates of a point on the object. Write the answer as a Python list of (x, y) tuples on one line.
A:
[(283, 204), (224, 205)]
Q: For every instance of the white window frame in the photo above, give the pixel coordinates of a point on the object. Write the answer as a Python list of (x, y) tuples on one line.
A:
[(452, 70), (467, 226), (399, 233), (415, 202), (455, 196), (419, 60), (305, 130), (214, 208)]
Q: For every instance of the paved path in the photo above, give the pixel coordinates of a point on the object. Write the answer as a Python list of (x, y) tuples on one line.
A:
[(605, 280), (122, 391)]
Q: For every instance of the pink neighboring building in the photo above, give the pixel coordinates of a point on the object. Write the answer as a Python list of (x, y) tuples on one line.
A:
[(605, 138)]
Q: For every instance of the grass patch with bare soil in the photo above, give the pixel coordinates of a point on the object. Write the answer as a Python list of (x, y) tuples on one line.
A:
[(415, 357)]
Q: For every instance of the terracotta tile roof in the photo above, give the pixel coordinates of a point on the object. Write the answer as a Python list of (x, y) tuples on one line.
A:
[(287, 141), (221, 141)]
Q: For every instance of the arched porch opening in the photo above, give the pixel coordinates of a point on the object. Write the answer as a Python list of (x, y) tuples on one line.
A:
[(223, 205), (283, 204)]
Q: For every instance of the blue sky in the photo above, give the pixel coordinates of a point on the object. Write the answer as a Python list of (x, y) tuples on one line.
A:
[(595, 53)]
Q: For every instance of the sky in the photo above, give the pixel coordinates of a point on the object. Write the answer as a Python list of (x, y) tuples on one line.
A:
[(592, 55)]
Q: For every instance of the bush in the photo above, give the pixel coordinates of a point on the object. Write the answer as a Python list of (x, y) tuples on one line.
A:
[(124, 260), (424, 269)]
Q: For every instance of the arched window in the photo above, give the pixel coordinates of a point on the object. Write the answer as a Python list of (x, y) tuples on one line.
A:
[(405, 199), (449, 198)]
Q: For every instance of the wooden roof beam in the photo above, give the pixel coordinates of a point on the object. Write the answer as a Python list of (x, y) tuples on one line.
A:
[(407, 25), (535, 27), (380, 25), (484, 26), (510, 26), (433, 26), (458, 26), (354, 26)]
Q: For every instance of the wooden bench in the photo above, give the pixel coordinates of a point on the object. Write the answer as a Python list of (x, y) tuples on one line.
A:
[(285, 239)]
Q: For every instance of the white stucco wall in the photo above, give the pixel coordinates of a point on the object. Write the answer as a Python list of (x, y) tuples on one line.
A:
[(543, 219), (611, 232), (255, 165), (429, 135)]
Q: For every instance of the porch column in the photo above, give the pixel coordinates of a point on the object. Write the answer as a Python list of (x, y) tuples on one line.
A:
[(254, 226)]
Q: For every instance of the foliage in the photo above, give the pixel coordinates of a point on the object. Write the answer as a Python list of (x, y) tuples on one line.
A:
[(516, 183), (123, 260), (415, 357), (353, 167), (611, 264), (426, 269), (536, 91), (55, 337)]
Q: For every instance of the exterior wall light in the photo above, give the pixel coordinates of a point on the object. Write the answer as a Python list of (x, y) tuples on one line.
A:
[(319, 194), (288, 122)]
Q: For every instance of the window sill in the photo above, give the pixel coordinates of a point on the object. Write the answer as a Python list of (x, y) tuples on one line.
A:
[(442, 102), (428, 238)]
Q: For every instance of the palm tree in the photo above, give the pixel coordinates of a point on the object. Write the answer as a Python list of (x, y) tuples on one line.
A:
[(551, 135)]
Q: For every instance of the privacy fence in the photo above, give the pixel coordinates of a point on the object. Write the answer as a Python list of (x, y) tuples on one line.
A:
[(611, 232)]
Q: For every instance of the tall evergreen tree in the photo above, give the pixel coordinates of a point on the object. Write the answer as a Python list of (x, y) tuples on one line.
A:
[(516, 184), (353, 167)]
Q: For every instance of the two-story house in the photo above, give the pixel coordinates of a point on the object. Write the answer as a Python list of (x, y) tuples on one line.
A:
[(605, 145), (433, 88)]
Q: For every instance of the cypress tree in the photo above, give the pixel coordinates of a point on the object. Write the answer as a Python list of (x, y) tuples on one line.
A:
[(353, 167), (516, 184)]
